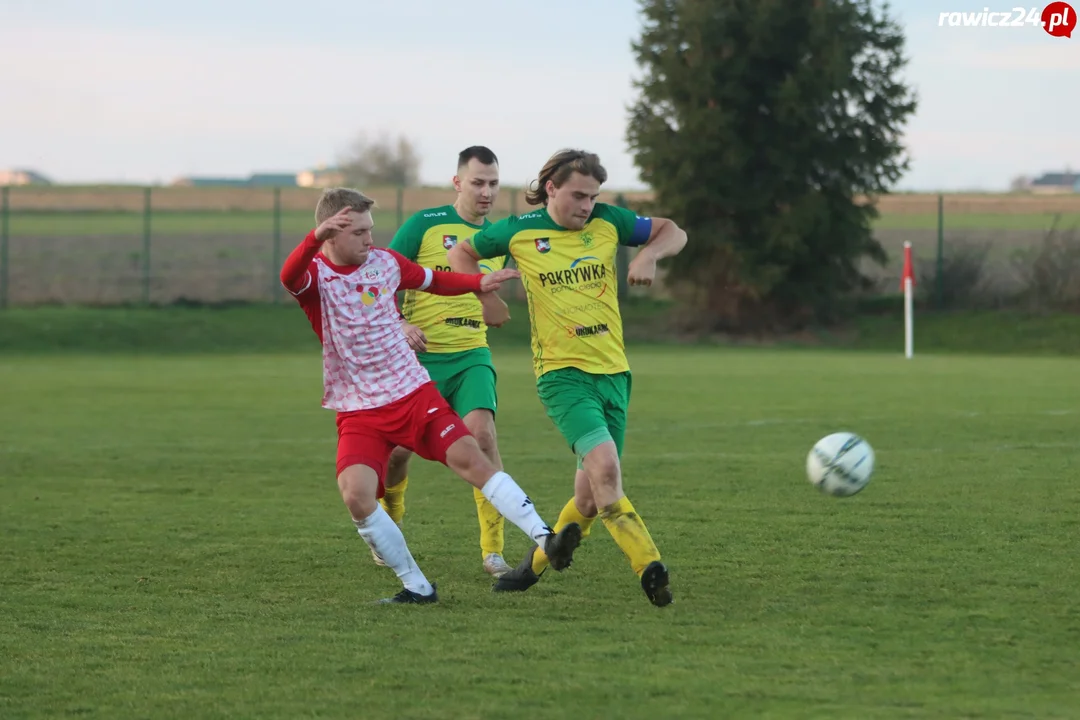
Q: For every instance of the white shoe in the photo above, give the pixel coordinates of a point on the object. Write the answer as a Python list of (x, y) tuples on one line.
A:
[(495, 565)]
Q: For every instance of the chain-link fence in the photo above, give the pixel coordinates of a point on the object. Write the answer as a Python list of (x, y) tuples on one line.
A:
[(161, 245)]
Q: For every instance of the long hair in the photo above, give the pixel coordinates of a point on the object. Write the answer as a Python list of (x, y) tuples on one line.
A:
[(559, 168)]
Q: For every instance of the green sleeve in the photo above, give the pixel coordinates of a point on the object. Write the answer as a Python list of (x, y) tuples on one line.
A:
[(409, 236), (632, 229), (494, 240)]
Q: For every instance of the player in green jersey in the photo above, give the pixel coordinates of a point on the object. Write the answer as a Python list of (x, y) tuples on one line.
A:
[(565, 252), (449, 334)]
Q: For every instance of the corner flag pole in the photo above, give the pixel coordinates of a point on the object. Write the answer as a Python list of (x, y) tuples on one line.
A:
[(907, 283)]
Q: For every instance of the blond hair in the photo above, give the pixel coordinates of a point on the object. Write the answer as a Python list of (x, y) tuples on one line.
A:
[(334, 200), (560, 167)]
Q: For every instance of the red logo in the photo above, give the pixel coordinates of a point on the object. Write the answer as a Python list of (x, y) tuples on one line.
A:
[(543, 244), (1059, 19)]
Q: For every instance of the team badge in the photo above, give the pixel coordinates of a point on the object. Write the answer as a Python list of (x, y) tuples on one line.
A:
[(543, 245), (449, 241)]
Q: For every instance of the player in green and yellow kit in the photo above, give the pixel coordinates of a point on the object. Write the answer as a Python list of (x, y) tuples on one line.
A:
[(449, 334), (565, 252)]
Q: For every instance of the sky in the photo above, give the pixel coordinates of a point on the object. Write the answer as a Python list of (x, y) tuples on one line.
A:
[(145, 92)]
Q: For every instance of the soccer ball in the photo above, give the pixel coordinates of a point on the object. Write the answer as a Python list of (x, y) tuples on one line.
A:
[(840, 464)]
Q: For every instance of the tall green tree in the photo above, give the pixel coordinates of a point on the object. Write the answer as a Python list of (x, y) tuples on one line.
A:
[(762, 125)]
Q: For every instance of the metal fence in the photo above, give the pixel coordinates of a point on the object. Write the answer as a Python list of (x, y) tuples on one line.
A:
[(162, 245)]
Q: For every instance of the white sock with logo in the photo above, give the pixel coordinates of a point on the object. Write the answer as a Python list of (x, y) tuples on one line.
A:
[(514, 505), (385, 538)]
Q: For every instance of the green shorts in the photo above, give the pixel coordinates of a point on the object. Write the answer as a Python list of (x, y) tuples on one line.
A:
[(466, 378), (587, 409)]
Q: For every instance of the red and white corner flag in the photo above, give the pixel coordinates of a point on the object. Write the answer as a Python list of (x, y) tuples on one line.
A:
[(907, 284)]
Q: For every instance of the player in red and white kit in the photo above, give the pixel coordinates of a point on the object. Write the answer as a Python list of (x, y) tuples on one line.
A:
[(382, 394)]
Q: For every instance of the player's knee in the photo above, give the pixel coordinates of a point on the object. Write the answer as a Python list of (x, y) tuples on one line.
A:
[(357, 496), (466, 459), (602, 464), (485, 438), (482, 426)]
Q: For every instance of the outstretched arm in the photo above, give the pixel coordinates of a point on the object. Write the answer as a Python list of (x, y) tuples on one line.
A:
[(439, 282)]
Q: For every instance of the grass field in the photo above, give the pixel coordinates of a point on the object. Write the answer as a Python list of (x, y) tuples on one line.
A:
[(174, 547)]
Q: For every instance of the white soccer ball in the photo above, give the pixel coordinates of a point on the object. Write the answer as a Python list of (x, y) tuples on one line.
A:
[(840, 464)]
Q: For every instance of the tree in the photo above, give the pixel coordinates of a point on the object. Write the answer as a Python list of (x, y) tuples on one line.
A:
[(382, 161), (760, 125)]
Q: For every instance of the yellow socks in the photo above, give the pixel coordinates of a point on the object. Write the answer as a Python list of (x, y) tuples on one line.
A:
[(629, 532), (569, 514), (491, 525), (393, 501)]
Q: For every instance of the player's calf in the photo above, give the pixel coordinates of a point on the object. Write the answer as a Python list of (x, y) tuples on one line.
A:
[(359, 486), (467, 461)]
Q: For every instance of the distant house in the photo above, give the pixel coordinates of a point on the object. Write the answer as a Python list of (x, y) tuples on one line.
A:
[(1056, 182), (272, 180), (259, 180), (321, 177), (193, 181), (23, 177)]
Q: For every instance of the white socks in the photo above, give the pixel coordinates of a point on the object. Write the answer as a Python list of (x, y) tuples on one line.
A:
[(385, 538), (514, 505)]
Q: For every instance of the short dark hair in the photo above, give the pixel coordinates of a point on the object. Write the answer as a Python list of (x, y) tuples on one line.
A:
[(481, 153)]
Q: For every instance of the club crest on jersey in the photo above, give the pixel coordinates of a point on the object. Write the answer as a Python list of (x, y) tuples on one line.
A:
[(543, 245), (449, 241), (586, 238), (369, 294)]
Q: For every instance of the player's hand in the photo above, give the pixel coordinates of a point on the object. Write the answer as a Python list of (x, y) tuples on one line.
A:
[(496, 312), (416, 337), (332, 225), (642, 270), (493, 281)]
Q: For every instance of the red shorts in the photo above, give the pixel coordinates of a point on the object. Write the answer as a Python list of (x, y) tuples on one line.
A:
[(422, 421)]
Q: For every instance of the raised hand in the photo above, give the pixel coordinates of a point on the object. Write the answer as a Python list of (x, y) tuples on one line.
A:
[(334, 224)]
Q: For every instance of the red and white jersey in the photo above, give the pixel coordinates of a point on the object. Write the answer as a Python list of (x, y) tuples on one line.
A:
[(367, 362)]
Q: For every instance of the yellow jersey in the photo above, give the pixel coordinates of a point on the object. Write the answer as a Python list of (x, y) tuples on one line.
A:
[(451, 324), (571, 283)]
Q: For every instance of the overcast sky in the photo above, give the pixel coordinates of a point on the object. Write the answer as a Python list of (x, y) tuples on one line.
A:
[(145, 91)]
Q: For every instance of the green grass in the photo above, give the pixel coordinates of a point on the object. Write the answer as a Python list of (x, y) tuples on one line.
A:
[(293, 222), (283, 328), (173, 546)]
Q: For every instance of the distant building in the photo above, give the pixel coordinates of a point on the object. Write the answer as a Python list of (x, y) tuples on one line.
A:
[(1055, 182), (23, 177), (257, 180), (272, 180), (321, 177)]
